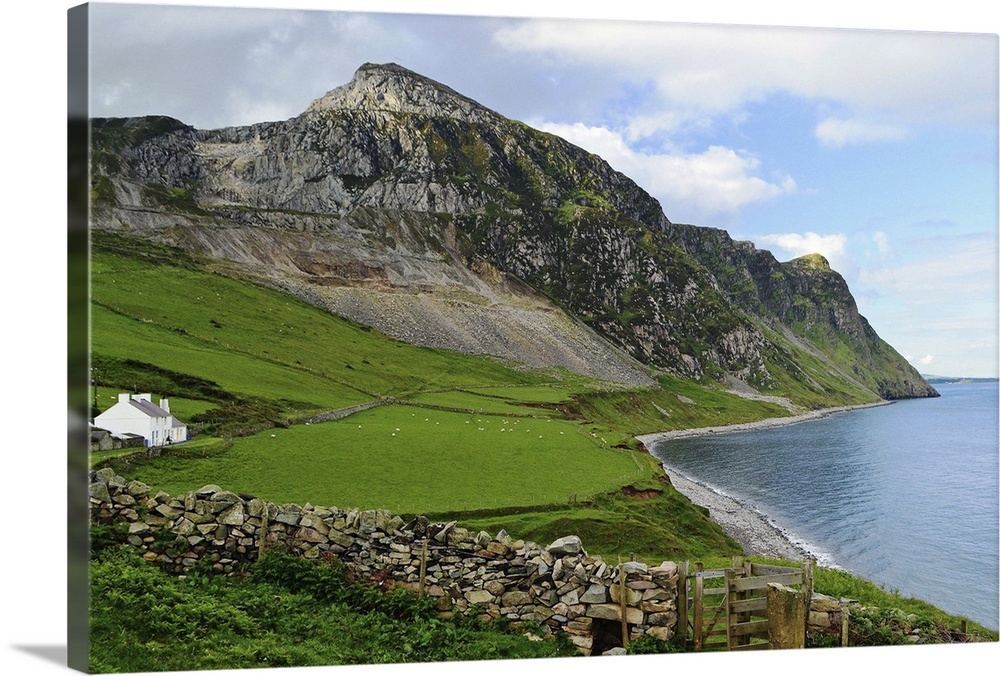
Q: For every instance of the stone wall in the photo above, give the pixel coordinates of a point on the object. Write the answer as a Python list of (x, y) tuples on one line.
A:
[(828, 619), (560, 586)]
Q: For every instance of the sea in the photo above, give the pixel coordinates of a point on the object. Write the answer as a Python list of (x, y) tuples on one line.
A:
[(903, 495)]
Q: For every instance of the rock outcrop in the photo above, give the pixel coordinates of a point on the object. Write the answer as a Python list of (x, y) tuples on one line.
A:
[(395, 201)]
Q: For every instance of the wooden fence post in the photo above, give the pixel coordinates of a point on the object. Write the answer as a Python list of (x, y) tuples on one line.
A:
[(623, 602), (423, 567), (730, 638), (743, 569), (699, 611), (807, 591), (262, 545), (844, 625), (682, 604)]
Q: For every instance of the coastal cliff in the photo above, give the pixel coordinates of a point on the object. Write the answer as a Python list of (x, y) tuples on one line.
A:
[(399, 203)]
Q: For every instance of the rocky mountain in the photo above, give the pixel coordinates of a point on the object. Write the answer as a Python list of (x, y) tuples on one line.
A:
[(397, 202)]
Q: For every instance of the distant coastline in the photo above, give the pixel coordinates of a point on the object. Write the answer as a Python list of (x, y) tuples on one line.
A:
[(946, 380), (656, 437)]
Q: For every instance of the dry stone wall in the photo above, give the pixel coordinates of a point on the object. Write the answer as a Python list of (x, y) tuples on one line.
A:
[(828, 619), (560, 587)]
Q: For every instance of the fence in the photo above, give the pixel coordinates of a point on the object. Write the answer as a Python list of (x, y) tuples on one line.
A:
[(746, 607)]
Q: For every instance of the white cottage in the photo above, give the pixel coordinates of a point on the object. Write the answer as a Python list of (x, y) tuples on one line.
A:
[(137, 414)]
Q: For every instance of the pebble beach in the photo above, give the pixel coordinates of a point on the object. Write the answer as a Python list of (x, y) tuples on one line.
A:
[(743, 523)]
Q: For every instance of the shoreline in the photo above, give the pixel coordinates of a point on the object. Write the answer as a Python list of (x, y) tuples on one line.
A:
[(654, 437), (754, 530), (749, 527)]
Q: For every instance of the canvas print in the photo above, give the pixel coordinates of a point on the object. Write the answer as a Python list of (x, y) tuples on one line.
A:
[(427, 338)]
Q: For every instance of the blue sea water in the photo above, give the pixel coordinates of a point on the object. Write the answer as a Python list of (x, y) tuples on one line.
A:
[(903, 495)]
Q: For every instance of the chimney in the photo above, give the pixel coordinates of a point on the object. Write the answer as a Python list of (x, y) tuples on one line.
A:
[(165, 405), (123, 398), (145, 396)]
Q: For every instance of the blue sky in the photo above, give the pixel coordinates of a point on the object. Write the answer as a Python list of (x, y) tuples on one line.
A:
[(876, 148)]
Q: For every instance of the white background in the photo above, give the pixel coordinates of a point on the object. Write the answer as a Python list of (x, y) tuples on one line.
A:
[(32, 559)]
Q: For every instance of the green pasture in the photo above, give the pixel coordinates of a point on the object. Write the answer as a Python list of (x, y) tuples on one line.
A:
[(642, 518), (194, 321), (617, 416), (114, 335), (183, 408), (250, 357), (525, 400), (409, 460), (548, 394), (469, 402), (96, 457)]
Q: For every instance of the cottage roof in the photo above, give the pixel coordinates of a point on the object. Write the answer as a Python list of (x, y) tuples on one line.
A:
[(149, 408)]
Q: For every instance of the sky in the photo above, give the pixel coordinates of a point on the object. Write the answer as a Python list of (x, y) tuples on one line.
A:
[(875, 148)]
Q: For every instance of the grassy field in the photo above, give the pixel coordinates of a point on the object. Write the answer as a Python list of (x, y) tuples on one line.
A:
[(550, 394), (238, 359), (475, 403), (538, 453), (532, 401), (619, 415), (234, 370), (409, 460)]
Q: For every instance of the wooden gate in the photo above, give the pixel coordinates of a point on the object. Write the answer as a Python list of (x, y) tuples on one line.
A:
[(727, 609), (707, 606)]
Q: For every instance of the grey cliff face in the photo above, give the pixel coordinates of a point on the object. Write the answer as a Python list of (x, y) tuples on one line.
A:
[(394, 184), (394, 89)]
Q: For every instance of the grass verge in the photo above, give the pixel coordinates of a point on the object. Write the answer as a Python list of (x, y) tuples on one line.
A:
[(286, 612)]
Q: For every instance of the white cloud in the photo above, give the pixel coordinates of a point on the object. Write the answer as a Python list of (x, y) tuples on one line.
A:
[(646, 125), (874, 249), (939, 300), (838, 133), (692, 187), (832, 247), (926, 360), (944, 275), (881, 240), (705, 69)]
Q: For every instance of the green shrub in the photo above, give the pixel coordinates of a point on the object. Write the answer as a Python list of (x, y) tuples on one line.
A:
[(143, 619), (107, 536), (327, 582), (889, 626), (324, 582), (647, 645)]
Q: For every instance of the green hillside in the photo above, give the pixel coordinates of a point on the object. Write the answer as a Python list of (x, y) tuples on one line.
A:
[(539, 454), (454, 433), (255, 341)]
